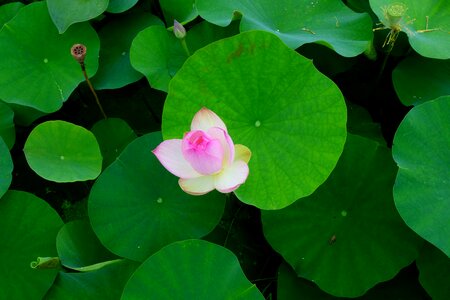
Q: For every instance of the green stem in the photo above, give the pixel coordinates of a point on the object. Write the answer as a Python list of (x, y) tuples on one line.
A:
[(92, 90), (185, 47)]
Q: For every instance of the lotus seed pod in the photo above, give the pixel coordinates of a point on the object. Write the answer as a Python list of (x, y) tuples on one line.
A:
[(78, 52), (395, 12)]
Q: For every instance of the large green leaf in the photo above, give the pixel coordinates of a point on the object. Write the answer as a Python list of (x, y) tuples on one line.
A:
[(273, 101), (67, 12), (434, 268), (425, 22), (347, 236), (6, 167), (36, 68), (136, 206), (106, 283), (63, 152), (28, 228), (115, 69), (417, 79), (78, 246), (297, 22), (422, 152), (7, 128), (192, 269), (113, 135)]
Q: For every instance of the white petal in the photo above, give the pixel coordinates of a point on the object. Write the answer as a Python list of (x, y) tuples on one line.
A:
[(171, 157), (242, 153), (205, 119), (231, 177), (197, 186)]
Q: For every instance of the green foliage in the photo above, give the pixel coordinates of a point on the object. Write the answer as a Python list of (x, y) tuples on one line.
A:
[(191, 269), (422, 153), (318, 90), (35, 236), (63, 152), (355, 193), (36, 69)]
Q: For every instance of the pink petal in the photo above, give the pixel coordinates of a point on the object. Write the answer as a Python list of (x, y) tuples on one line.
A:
[(171, 157), (197, 186), (242, 153), (203, 152), (232, 177), (226, 142), (205, 119)]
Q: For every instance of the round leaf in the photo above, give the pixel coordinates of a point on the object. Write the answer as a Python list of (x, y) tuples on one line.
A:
[(105, 283), (115, 69), (328, 22), (161, 65), (28, 228), (118, 6), (425, 22), (146, 209), (7, 130), (417, 79), (273, 101), (36, 68), (63, 152), (422, 152), (113, 135), (434, 268), (165, 58), (349, 222), (192, 269), (78, 246), (67, 12), (6, 167)]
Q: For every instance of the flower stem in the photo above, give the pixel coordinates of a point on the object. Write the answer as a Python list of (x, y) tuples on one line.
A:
[(185, 47), (83, 68)]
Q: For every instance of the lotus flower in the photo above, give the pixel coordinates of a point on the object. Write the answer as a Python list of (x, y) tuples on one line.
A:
[(206, 158)]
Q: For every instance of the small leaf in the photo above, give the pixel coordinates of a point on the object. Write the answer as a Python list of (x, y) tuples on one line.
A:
[(417, 79), (182, 10), (113, 135), (63, 152), (191, 269)]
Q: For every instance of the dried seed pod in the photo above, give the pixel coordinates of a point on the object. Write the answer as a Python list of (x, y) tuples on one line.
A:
[(78, 52)]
